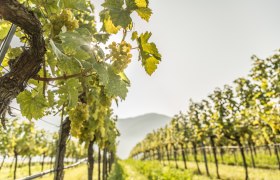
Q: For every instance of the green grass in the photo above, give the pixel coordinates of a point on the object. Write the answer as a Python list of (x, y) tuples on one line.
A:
[(131, 172), (150, 170), (230, 172), (79, 172), (22, 170), (118, 172), (262, 159), (76, 173)]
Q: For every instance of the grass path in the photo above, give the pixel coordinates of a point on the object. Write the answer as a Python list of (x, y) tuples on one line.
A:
[(76, 173), (131, 172)]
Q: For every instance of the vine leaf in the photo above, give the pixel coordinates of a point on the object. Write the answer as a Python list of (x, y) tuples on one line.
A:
[(32, 105), (5, 27), (72, 43), (116, 86), (69, 92), (118, 15), (110, 27), (144, 13), (121, 17), (151, 65), (74, 4), (141, 3), (148, 53)]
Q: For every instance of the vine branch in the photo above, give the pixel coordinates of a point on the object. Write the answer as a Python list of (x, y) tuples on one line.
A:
[(64, 77)]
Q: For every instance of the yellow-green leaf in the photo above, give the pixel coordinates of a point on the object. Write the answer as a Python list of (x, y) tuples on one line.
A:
[(134, 35), (141, 3), (144, 13), (151, 65), (110, 27)]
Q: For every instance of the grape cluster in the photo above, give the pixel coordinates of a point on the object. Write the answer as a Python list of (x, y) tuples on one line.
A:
[(78, 116), (65, 18), (120, 55)]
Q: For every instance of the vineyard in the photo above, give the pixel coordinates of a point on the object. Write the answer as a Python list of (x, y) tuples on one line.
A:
[(240, 124), (67, 60)]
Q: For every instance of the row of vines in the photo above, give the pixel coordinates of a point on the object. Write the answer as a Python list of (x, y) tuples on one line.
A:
[(21, 143), (243, 117), (66, 65)]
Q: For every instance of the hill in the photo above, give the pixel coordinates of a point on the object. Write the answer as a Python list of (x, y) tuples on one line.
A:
[(134, 129)]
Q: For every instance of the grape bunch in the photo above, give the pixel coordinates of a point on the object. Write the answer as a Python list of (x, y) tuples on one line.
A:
[(78, 116), (65, 18), (120, 55)]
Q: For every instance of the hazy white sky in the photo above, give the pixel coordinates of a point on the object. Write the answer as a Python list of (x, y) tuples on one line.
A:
[(204, 44)]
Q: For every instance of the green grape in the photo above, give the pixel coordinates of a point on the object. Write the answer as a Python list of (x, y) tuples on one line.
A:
[(72, 25), (66, 15), (77, 116), (104, 100), (65, 18), (120, 55), (102, 132)]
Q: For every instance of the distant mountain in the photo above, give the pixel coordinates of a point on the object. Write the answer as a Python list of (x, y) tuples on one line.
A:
[(134, 129)]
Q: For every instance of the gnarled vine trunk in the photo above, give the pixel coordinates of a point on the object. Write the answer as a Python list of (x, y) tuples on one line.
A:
[(175, 156), (251, 154), (212, 141), (167, 154), (43, 162), (61, 149), (16, 161), (241, 148), (28, 64), (99, 163), (90, 160), (29, 165), (2, 163), (277, 155), (205, 158), (104, 164), (195, 157), (183, 156)]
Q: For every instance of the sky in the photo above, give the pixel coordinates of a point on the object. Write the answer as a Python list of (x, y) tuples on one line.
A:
[(204, 44)]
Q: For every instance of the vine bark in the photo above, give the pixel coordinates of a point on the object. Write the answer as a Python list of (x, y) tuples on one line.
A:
[(28, 64)]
